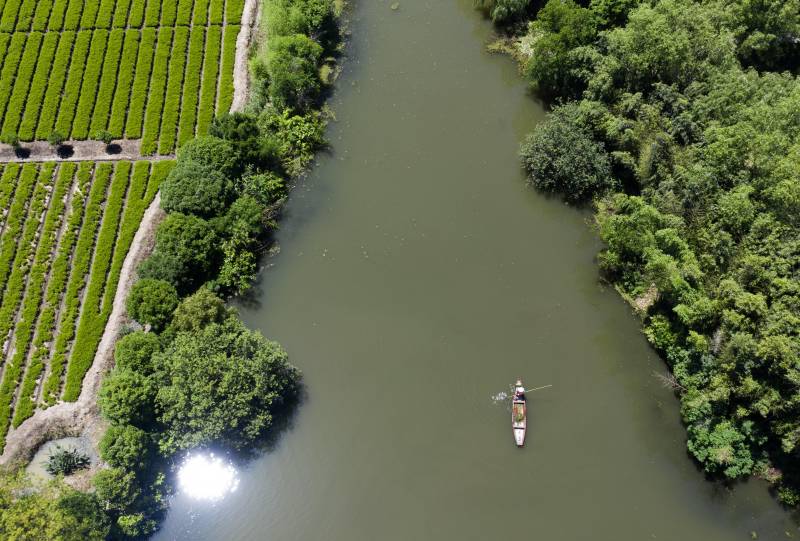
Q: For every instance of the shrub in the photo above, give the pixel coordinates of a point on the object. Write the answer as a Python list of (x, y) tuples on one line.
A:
[(125, 446), (212, 152), (199, 310), (127, 398), (105, 136), (185, 252), (135, 352), (561, 156), (66, 461), (195, 188), (291, 63), (56, 139), (221, 385), (152, 302), (266, 188)]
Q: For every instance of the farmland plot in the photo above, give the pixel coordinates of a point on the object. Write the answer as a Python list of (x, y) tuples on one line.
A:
[(151, 69)]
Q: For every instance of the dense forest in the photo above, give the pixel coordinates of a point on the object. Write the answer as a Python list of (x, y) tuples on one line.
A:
[(679, 120)]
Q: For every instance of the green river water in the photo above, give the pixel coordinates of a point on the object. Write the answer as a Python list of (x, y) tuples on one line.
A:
[(417, 277)]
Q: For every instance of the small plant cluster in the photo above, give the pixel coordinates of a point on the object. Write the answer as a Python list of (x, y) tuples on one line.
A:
[(66, 461)]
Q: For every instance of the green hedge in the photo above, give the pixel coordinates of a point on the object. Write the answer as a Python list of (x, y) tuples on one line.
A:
[(108, 82), (155, 102), (200, 12), (191, 86), (29, 109), (208, 89), (136, 17), (55, 82), (153, 12), (216, 11), (14, 223), (72, 19), (89, 14), (19, 95), (144, 65), (42, 15), (9, 18), (88, 92), (233, 11), (105, 14), (72, 88), (184, 17), (56, 21), (172, 101), (8, 180), (121, 9), (169, 11)]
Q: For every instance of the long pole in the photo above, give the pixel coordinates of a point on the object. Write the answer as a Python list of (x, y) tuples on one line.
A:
[(537, 388)]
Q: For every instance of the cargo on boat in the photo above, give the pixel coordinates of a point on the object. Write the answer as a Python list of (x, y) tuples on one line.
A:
[(519, 414)]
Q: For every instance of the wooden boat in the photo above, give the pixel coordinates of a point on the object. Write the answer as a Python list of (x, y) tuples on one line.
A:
[(519, 414)]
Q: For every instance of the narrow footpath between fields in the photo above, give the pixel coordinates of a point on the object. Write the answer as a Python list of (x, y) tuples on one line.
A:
[(73, 151)]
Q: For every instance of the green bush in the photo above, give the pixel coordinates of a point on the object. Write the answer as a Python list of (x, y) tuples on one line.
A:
[(197, 311), (222, 384), (292, 67), (212, 152), (127, 398), (135, 351), (125, 446), (185, 252), (152, 302), (561, 156), (195, 188)]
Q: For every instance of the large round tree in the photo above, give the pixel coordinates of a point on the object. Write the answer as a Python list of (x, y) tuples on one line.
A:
[(220, 386)]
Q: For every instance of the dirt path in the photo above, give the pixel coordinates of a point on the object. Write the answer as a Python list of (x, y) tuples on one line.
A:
[(82, 417), (42, 151), (241, 74)]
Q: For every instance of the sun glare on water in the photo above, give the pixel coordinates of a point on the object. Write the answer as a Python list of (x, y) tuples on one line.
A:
[(206, 477)]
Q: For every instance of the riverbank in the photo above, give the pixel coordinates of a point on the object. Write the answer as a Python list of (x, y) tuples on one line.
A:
[(683, 151)]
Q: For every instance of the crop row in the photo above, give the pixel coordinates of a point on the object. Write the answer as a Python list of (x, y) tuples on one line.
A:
[(91, 324), (155, 101), (172, 101), (45, 121), (15, 219), (72, 87), (27, 67), (81, 260), (108, 82), (191, 86), (38, 275), (208, 89), (91, 76), (101, 292), (45, 328), (226, 77), (58, 15), (15, 287)]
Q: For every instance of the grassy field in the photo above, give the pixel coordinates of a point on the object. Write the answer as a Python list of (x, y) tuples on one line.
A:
[(155, 70)]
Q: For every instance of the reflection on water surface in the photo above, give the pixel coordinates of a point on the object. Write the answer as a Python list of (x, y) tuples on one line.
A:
[(207, 477)]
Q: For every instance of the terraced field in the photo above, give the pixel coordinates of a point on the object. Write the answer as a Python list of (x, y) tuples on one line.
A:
[(155, 70), (151, 69)]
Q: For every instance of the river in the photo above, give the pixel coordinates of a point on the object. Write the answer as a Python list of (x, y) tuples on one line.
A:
[(417, 277)]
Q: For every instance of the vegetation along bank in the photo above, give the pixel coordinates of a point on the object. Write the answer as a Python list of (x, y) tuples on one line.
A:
[(677, 120), (188, 374)]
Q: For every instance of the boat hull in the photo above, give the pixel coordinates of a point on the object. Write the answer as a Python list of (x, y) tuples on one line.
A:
[(519, 416)]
